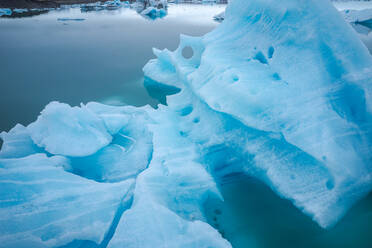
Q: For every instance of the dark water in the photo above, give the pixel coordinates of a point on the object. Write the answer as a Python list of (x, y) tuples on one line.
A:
[(364, 31), (253, 216), (99, 56)]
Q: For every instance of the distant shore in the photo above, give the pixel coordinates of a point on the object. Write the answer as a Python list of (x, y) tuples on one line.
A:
[(40, 4)]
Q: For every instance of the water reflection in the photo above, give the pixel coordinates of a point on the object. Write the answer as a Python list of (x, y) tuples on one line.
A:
[(364, 31), (98, 59), (253, 216)]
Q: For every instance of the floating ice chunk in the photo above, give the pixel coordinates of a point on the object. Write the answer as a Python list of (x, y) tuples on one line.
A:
[(41, 205), (20, 10), (219, 17), (159, 4), (18, 143), (358, 16), (70, 19), (7, 12), (353, 16), (69, 131), (154, 13), (294, 101)]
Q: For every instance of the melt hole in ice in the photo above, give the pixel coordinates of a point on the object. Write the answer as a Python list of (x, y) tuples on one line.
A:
[(187, 52)]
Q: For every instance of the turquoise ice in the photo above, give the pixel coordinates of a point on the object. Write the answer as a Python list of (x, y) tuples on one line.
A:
[(279, 91)]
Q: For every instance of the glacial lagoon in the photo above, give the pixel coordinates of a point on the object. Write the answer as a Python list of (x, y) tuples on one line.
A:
[(76, 56), (73, 56)]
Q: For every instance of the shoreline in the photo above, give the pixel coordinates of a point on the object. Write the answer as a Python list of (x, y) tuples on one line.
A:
[(41, 4)]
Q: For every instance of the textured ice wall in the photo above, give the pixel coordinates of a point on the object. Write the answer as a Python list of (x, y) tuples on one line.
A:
[(302, 91)]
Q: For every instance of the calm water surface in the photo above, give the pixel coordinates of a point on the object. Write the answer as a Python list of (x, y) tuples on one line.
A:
[(100, 58)]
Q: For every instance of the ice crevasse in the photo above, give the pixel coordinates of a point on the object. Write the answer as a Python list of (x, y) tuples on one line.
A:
[(278, 91)]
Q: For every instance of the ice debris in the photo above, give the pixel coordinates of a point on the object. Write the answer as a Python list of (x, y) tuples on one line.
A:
[(358, 16), (154, 13), (70, 19), (7, 12)]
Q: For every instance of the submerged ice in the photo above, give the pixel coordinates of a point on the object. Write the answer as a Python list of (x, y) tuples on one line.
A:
[(271, 93)]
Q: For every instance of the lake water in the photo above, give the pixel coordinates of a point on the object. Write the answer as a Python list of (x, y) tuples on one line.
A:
[(253, 216), (99, 57)]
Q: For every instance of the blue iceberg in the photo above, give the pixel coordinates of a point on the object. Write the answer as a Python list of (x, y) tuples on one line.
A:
[(279, 91)]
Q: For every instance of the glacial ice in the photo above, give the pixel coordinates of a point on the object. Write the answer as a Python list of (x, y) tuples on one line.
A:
[(7, 12), (68, 131), (358, 16), (43, 206), (154, 13), (271, 93), (302, 94)]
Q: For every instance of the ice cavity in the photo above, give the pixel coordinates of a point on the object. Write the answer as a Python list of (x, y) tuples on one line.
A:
[(297, 95), (101, 142)]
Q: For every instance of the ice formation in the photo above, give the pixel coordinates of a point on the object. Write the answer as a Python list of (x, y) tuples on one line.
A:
[(271, 93), (301, 92), (154, 13), (358, 16), (151, 9), (7, 12), (350, 15)]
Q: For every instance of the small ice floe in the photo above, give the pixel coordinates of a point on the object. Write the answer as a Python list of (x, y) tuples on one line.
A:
[(7, 12), (358, 16), (20, 10), (70, 19), (111, 5), (219, 17), (154, 13)]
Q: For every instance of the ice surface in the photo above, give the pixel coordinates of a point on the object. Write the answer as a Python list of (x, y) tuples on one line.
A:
[(302, 93), (154, 13), (169, 196), (271, 93), (7, 12), (17, 143), (219, 17), (44, 206), (70, 131), (130, 151), (70, 19), (358, 16)]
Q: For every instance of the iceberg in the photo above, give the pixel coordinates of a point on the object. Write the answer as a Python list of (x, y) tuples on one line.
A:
[(297, 96), (358, 16), (154, 13), (219, 17), (6, 12), (270, 93), (70, 19)]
